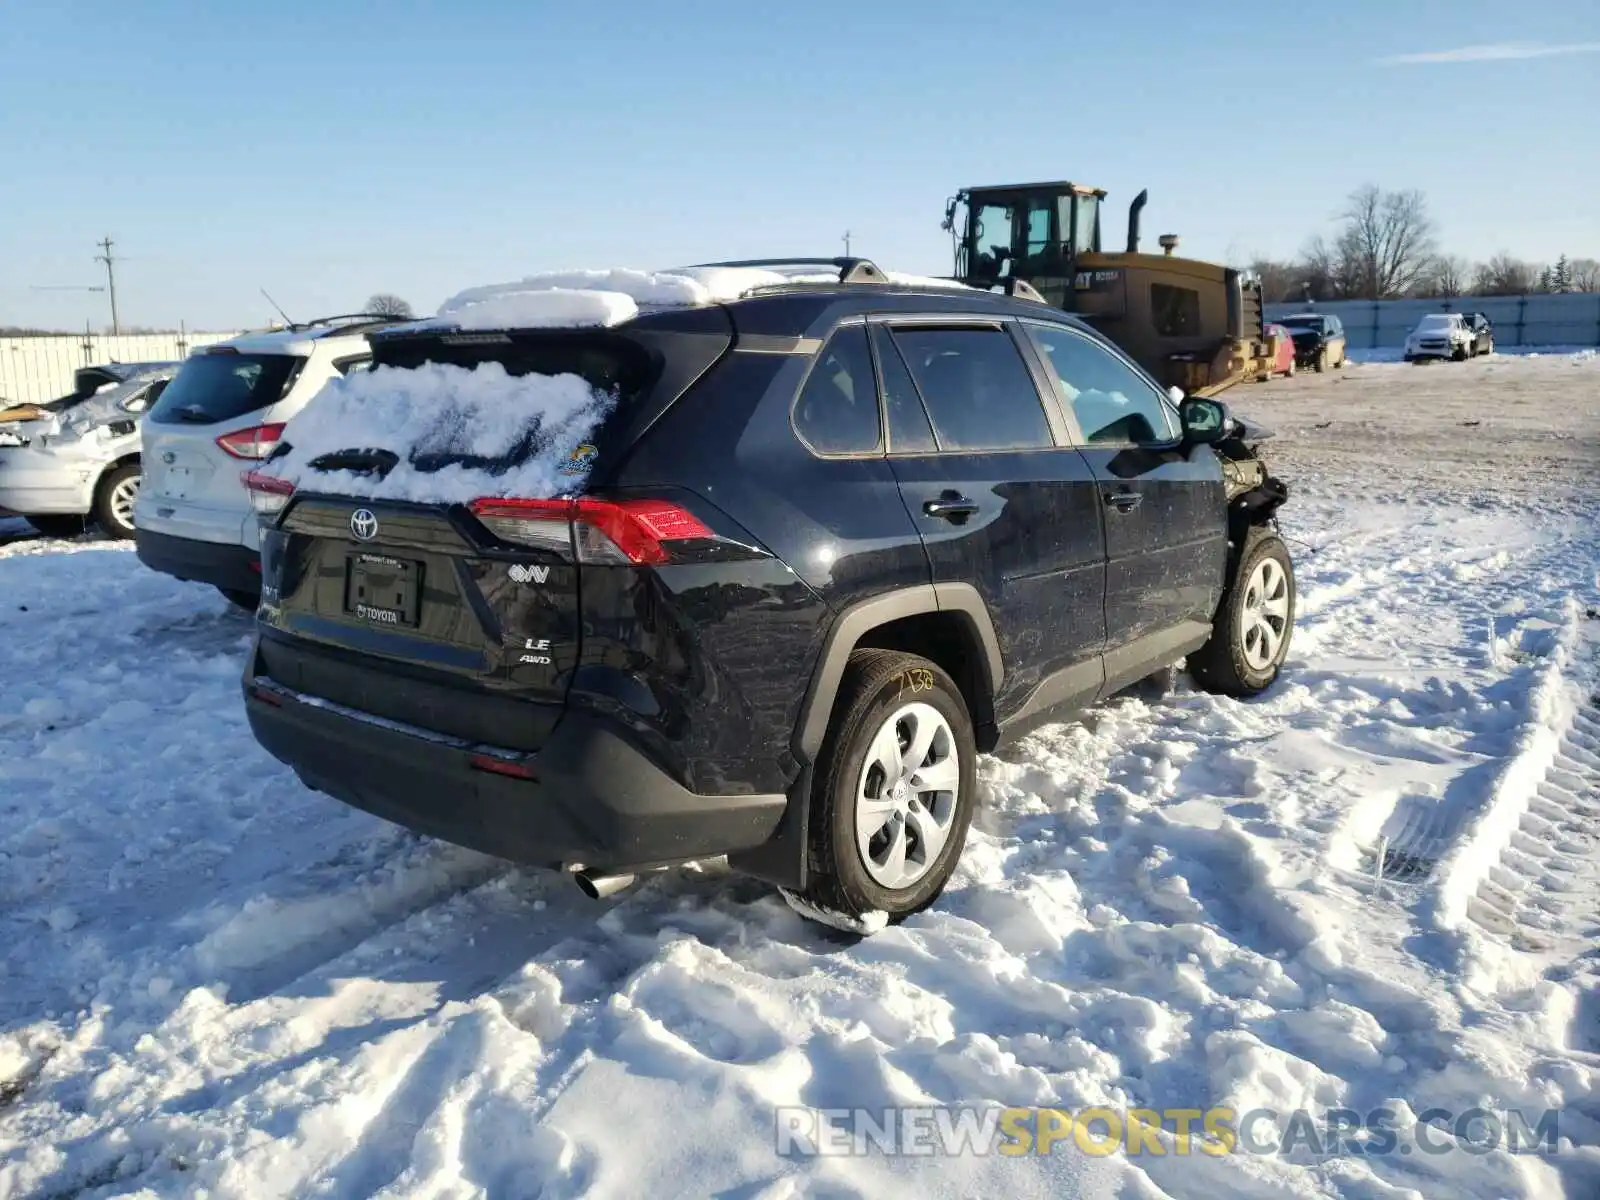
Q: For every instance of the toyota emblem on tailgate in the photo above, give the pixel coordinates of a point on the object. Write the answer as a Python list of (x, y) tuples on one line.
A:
[(363, 524)]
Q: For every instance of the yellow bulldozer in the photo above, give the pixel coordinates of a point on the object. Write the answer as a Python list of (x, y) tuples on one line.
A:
[(1194, 325)]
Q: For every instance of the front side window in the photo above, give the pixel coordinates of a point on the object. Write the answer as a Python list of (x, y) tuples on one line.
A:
[(837, 409), (991, 241), (977, 389), (141, 401), (1176, 310), (1113, 403)]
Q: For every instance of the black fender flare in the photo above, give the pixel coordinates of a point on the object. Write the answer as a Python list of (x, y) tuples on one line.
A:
[(862, 618), (783, 858)]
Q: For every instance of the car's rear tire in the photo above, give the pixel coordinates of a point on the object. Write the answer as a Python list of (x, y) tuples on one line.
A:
[(246, 600), (1289, 374), (886, 832), (113, 500), (1253, 623), (58, 525)]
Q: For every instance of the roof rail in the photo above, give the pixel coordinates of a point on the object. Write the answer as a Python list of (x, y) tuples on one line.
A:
[(1021, 289), (361, 318), (851, 270)]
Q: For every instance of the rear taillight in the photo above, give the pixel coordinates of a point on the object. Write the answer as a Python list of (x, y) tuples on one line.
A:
[(255, 442), (268, 493), (601, 531)]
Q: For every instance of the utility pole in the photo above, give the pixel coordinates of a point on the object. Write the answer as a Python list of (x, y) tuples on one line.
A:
[(847, 243), (105, 245)]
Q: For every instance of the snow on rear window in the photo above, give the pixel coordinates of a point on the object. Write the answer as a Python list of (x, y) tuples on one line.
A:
[(459, 433)]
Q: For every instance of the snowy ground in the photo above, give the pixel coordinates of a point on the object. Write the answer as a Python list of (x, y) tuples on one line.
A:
[(215, 982)]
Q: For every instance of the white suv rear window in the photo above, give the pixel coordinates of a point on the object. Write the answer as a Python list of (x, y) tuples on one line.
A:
[(213, 387)]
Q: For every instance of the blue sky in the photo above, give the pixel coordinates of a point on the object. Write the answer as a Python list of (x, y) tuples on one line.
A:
[(325, 151)]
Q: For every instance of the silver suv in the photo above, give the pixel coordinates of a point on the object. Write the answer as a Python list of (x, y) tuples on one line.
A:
[(223, 414)]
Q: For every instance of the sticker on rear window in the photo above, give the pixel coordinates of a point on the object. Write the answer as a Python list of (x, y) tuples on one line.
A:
[(580, 460)]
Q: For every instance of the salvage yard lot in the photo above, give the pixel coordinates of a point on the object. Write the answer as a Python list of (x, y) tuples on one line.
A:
[(214, 979)]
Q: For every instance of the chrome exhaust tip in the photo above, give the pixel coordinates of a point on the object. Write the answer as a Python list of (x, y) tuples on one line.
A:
[(598, 887)]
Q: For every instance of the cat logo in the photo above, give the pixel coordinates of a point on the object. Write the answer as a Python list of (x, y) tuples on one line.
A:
[(523, 573)]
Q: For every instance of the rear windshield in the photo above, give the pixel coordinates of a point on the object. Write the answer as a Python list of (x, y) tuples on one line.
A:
[(607, 362), (1302, 322), (219, 387)]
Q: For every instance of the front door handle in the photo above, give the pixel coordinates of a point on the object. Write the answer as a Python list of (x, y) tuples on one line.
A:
[(952, 506), (1124, 501)]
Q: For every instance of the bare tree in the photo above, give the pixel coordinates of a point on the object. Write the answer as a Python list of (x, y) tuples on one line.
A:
[(387, 304), (1280, 281), (1391, 236), (1503, 275), (1447, 275), (1333, 270), (1583, 275)]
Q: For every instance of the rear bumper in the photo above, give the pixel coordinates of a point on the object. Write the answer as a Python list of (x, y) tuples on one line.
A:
[(235, 568), (594, 798)]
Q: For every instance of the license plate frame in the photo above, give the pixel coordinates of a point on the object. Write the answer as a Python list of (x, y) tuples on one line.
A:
[(382, 590)]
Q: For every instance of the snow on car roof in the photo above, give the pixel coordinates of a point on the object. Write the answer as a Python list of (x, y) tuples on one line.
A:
[(605, 297), (465, 417)]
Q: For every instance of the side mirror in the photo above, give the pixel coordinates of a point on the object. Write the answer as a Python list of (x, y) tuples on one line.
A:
[(1204, 421)]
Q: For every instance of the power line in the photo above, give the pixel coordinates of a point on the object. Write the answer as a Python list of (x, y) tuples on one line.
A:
[(105, 245)]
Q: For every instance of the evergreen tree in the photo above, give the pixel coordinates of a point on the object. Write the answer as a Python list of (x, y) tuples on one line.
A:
[(1546, 279), (1561, 277)]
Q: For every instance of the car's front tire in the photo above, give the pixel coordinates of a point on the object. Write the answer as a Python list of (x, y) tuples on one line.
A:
[(1252, 626), (1321, 364), (895, 788), (114, 497)]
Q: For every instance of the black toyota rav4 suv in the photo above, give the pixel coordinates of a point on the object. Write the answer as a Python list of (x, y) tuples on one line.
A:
[(835, 539)]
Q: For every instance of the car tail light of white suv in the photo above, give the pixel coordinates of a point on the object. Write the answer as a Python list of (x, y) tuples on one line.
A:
[(254, 443)]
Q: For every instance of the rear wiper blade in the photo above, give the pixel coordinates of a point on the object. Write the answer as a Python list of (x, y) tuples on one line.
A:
[(363, 462), (194, 415)]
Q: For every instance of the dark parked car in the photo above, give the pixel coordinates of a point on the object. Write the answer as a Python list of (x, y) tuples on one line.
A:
[(836, 539), (1319, 341)]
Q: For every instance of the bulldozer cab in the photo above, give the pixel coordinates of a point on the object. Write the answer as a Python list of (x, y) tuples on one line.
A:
[(1190, 324), (1029, 231)]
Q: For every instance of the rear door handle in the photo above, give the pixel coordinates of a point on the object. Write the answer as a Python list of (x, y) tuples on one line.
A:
[(1124, 501), (952, 506)]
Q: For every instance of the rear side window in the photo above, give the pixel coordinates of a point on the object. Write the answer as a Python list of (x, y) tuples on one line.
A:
[(837, 409), (977, 389), (219, 387), (909, 431)]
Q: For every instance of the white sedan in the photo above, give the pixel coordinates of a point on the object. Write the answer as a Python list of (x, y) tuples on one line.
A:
[(75, 458)]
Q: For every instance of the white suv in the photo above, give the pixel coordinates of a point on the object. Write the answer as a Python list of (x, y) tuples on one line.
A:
[(222, 414), (1441, 335)]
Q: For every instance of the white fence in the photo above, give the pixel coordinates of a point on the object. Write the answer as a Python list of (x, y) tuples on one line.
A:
[(38, 368), (1566, 319)]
